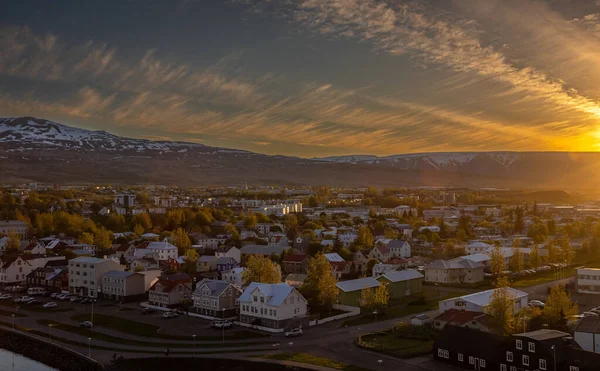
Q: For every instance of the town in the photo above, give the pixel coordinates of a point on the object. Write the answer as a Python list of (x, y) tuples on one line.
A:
[(406, 276)]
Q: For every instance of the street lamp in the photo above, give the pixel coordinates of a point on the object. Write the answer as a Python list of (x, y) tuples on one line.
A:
[(89, 347), (554, 356), (194, 342), (50, 331)]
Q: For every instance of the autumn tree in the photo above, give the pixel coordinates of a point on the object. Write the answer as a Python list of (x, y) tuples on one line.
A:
[(552, 253), (534, 257), (370, 264), (497, 262), (103, 240), (517, 262), (567, 254), (321, 282), (13, 245), (367, 298), (86, 238), (261, 269), (559, 307), (381, 297), (250, 220), (138, 230), (364, 236), (501, 307), (144, 220), (181, 239)]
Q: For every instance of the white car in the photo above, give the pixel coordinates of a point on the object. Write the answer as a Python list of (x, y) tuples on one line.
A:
[(86, 324), (293, 333), (590, 314), (536, 303), (50, 305), (23, 299), (170, 315), (5, 297), (221, 324)]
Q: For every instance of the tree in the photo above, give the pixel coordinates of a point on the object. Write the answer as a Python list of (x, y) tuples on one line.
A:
[(552, 253), (497, 262), (321, 281), (534, 257), (181, 240), (502, 307), (290, 222), (381, 296), (519, 221), (367, 298), (122, 260), (443, 229), (103, 240), (192, 255), (517, 262), (364, 236), (370, 264), (138, 230), (261, 269), (144, 220), (14, 243), (558, 307), (86, 238), (567, 254), (250, 220)]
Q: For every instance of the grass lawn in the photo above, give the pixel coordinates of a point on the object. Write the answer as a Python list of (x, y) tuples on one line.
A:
[(312, 360), (400, 310), (118, 340), (147, 330), (540, 278), (7, 313), (403, 341)]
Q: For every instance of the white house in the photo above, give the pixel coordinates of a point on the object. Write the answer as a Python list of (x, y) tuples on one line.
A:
[(231, 252), (14, 269), (276, 306), (234, 276), (588, 281), (478, 301), (17, 226), (168, 293), (457, 270), (121, 285), (85, 274), (477, 247), (347, 239), (399, 249), (162, 249)]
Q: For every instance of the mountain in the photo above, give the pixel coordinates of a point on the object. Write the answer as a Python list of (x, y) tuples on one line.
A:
[(38, 150)]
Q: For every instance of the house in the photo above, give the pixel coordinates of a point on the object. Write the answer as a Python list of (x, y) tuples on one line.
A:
[(587, 334), (231, 252), (361, 257), (339, 266), (16, 226), (477, 247), (464, 318), (588, 281), (52, 278), (126, 251), (35, 248), (225, 263), (85, 274), (162, 249), (14, 269), (3, 245), (350, 291), (263, 250), (347, 239), (143, 264), (541, 350), (399, 248), (454, 271), (295, 279), (210, 242), (169, 293), (392, 265), (216, 299), (478, 301), (265, 228), (206, 263), (483, 259), (380, 252), (234, 276), (123, 286), (278, 240), (403, 283), (277, 306), (295, 263)]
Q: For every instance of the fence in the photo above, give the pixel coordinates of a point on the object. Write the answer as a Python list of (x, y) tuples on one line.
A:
[(350, 312)]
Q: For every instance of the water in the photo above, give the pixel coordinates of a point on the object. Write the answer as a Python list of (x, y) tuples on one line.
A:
[(10, 361)]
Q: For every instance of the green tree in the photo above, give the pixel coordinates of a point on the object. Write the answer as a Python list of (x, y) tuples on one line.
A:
[(261, 269), (321, 281), (497, 261), (558, 306), (501, 307)]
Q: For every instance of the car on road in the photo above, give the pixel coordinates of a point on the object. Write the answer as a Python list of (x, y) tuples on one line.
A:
[(295, 332), (148, 310), (63, 297), (537, 304), (590, 314), (86, 324), (74, 299), (170, 315), (23, 299), (50, 305), (32, 302), (221, 324), (5, 297), (55, 295)]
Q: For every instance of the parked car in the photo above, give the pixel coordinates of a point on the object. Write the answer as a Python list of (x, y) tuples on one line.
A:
[(50, 305), (5, 297), (536, 303), (221, 324), (74, 299), (64, 297), (293, 333), (33, 301), (36, 291), (148, 310), (170, 315), (590, 314), (55, 295), (23, 299), (86, 324)]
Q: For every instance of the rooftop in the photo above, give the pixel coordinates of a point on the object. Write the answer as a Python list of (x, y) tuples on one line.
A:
[(358, 284), (544, 334)]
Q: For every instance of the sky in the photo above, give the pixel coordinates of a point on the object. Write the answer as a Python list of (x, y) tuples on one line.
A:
[(311, 78)]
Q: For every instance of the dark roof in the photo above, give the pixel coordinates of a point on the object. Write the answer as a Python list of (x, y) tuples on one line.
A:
[(57, 263), (589, 324), (469, 341), (169, 285), (177, 277), (457, 317), (295, 258), (544, 334)]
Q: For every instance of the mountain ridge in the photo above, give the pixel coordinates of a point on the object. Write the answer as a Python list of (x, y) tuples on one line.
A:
[(41, 150)]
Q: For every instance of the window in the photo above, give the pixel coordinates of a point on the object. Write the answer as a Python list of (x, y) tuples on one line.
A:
[(446, 354), (255, 299), (482, 363), (440, 352), (525, 360), (502, 367), (460, 357), (519, 344), (573, 368), (532, 347), (262, 299), (471, 360), (542, 364), (513, 368), (509, 356)]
